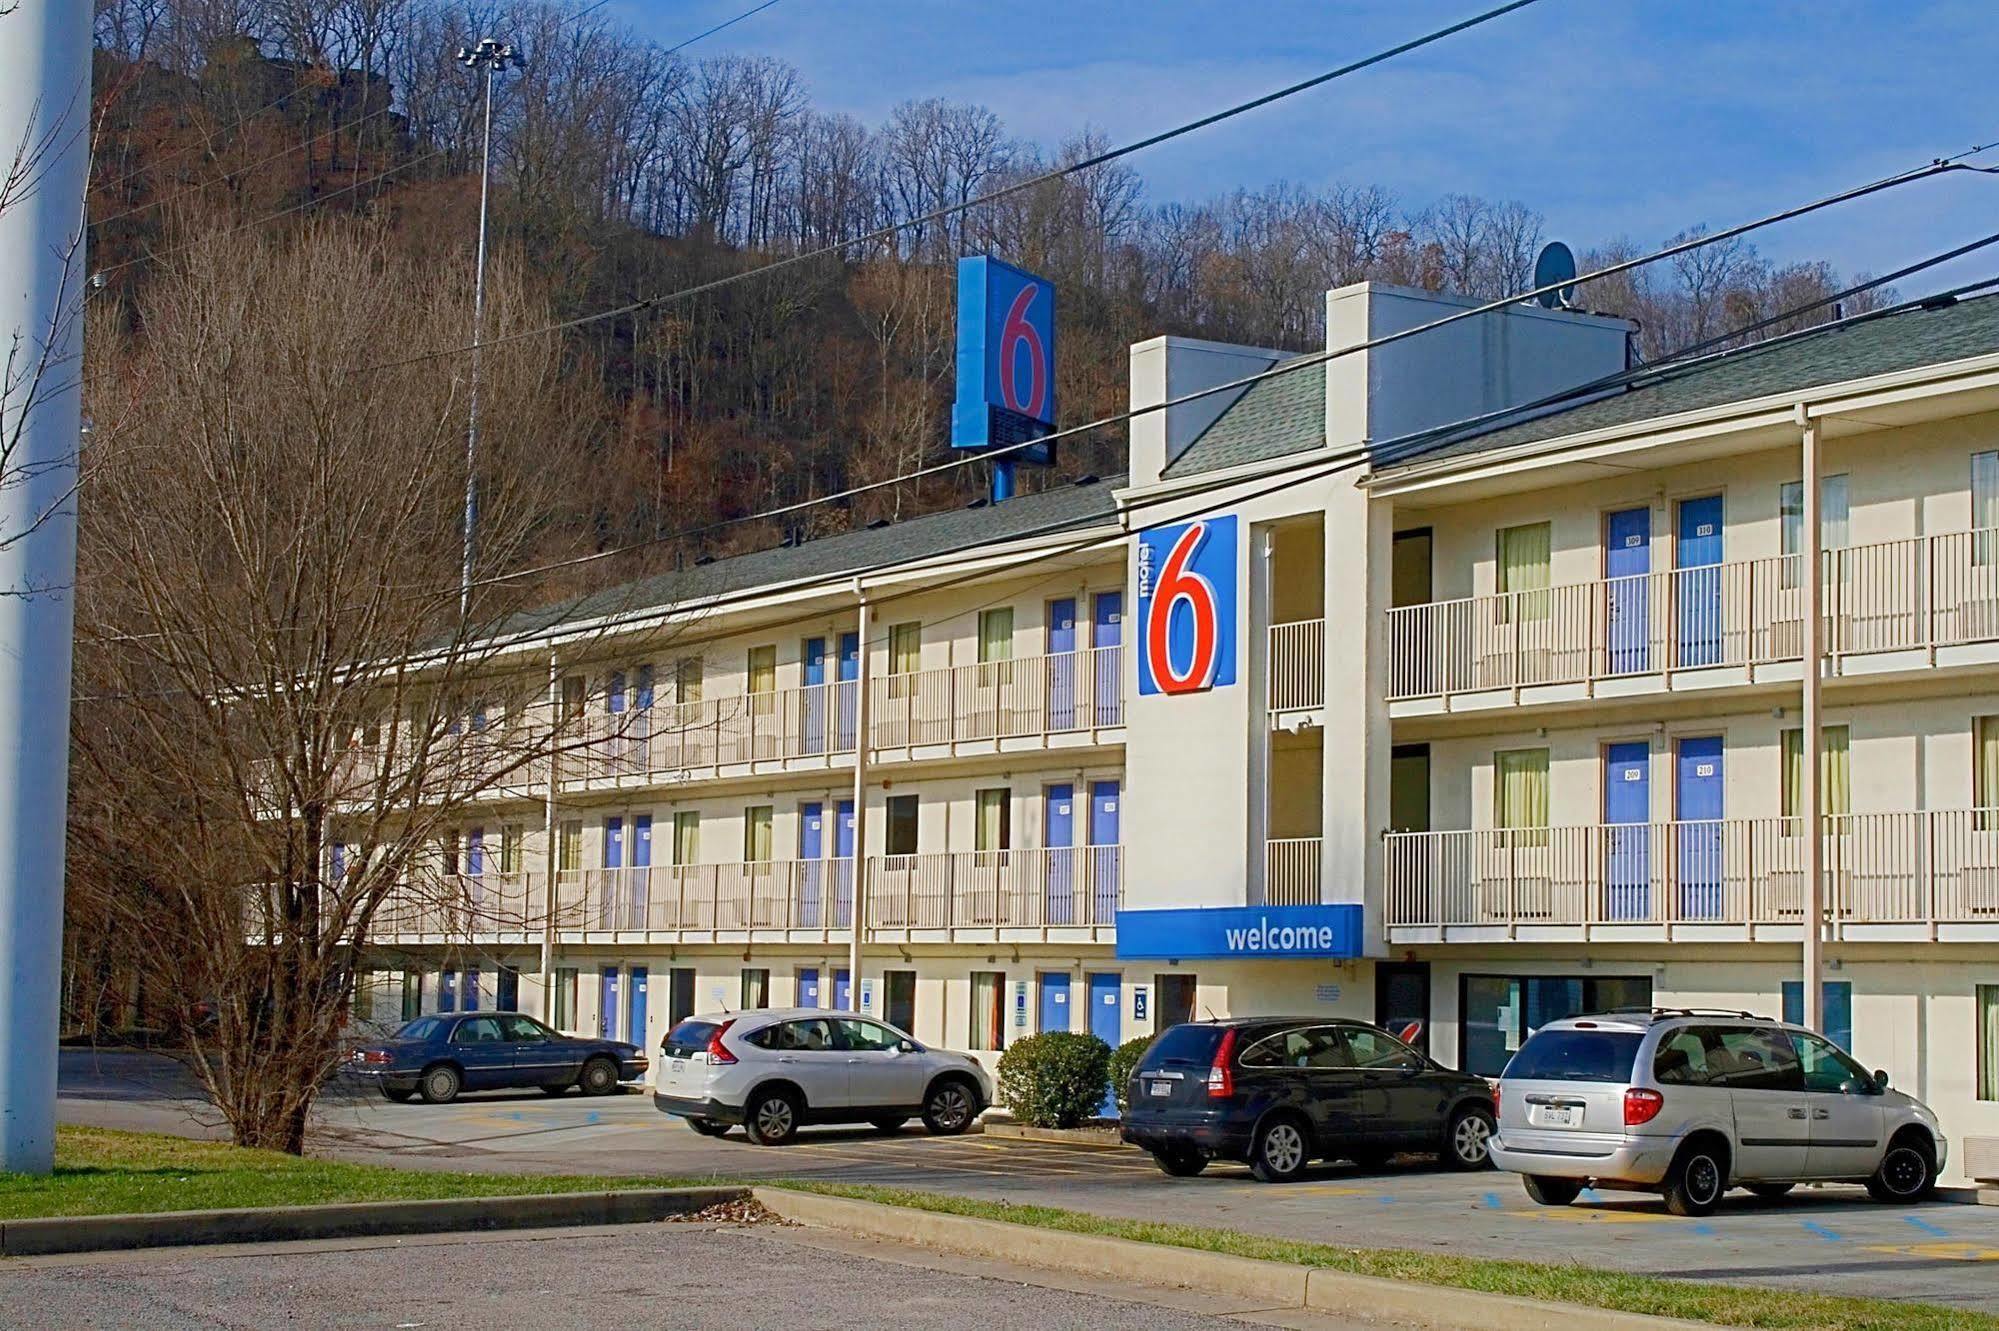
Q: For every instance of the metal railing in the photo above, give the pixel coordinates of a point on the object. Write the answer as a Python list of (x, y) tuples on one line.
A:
[(1916, 594), (1291, 871), (1920, 867), (1297, 665)]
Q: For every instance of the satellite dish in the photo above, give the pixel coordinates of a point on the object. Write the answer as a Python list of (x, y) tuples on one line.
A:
[(1555, 264)]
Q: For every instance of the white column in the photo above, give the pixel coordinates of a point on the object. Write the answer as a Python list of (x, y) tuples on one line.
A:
[(861, 738), (45, 116), (550, 897)]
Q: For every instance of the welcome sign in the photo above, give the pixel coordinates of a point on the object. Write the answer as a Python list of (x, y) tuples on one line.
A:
[(1331, 929)]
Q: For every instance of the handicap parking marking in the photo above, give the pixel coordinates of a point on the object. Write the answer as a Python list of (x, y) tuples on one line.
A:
[(1812, 1227), (1491, 1202), (1952, 1251), (1926, 1226)]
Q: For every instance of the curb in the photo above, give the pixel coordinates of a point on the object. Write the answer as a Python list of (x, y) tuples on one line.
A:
[(1020, 1132), (47, 1235), (1278, 1283)]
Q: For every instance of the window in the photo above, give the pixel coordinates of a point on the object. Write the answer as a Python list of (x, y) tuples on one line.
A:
[(756, 833), (1176, 999), (901, 825), (572, 697), (1825, 1069), (687, 679), (507, 991), (412, 995), (1682, 1059), (1984, 507), (1985, 769), (813, 1035), (447, 852), (1520, 793), (1751, 1059), (1835, 997), (989, 1009), (569, 845), (686, 837), (899, 988), (517, 1027), (565, 998), (1499, 1012), (995, 644), (756, 987), (1566, 1054), (905, 657), (423, 1028), (1833, 525), (866, 1037), (1835, 775), (1373, 1049), (1988, 1041), (510, 848), (1523, 568), (994, 827), (763, 678), (1302, 1047), (478, 1030)]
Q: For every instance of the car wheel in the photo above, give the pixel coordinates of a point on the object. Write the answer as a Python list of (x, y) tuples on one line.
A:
[(1468, 1139), (1697, 1179), (772, 1119), (599, 1077), (400, 1094), (949, 1108), (1551, 1191), (1769, 1192), (1180, 1161), (563, 1089), (439, 1085), (1281, 1152), (708, 1127), (1907, 1173), (888, 1126)]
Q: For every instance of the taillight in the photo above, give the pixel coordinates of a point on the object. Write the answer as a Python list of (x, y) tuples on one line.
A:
[(1642, 1105), (1492, 1087), (373, 1056), (1221, 1077), (716, 1053)]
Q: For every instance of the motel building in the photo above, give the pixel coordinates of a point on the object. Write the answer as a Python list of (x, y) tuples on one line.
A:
[(1334, 704)]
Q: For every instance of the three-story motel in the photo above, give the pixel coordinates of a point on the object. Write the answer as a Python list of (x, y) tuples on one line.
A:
[(1315, 712)]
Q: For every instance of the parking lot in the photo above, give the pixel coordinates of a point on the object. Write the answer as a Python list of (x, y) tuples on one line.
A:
[(1832, 1239)]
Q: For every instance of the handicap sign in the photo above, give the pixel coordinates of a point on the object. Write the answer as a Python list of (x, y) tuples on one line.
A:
[(1139, 994)]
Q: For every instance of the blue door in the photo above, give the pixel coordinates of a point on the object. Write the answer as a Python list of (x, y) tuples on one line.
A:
[(808, 987), (1627, 559), (468, 991), (1059, 834), (1107, 1024), (1104, 851), (849, 690), (1107, 630), (812, 702), (638, 889), (1627, 807), (1054, 1001), (447, 992), (843, 992), (843, 871), (812, 867), (1698, 800), (1697, 553), (1062, 664), (641, 721), (607, 1003), (635, 1007)]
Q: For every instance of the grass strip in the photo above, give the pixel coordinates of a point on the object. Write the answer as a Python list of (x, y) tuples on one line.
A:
[(1726, 1305), (103, 1172)]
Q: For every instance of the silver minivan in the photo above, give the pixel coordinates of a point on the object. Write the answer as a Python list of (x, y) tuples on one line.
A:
[(1691, 1103)]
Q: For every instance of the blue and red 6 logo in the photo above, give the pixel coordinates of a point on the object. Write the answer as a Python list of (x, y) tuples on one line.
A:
[(1187, 606), (1021, 347)]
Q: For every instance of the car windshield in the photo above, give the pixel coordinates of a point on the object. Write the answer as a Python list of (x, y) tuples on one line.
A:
[(1188, 1044), (423, 1028), (1575, 1055)]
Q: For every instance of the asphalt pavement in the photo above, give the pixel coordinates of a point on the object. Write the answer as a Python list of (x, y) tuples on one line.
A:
[(1830, 1239)]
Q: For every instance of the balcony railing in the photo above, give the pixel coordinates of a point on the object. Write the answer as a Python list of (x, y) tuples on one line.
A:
[(1917, 868), (1918, 594), (1048, 888), (1297, 666), (1291, 871)]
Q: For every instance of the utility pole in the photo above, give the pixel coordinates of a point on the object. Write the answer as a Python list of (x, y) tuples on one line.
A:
[(1811, 787), (857, 923), (45, 122), (491, 57)]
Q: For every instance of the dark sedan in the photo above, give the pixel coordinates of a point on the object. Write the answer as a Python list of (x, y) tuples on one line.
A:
[(1277, 1093), (438, 1056)]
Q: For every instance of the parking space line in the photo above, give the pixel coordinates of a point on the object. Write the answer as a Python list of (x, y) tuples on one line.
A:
[(1945, 1252)]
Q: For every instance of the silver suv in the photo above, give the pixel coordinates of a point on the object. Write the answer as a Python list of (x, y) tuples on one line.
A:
[(1690, 1103)]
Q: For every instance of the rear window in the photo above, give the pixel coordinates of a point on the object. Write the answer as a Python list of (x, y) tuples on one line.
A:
[(688, 1038), (423, 1028), (1573, 1055), (1183, 1044)]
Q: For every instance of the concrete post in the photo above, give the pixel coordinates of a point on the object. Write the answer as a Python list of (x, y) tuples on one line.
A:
[(1811, 800)]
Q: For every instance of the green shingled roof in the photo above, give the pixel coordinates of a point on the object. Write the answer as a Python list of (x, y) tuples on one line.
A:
[(1272, 419), (1859, 350), (1062, 508)]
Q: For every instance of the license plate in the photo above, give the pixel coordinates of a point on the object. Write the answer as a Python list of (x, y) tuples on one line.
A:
[(679, 1065), (1558, 1116), (1161, 1088)]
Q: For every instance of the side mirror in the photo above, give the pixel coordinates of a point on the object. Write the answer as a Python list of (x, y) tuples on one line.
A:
[(905, 1047), (1880, 1080), (1412, 1068)]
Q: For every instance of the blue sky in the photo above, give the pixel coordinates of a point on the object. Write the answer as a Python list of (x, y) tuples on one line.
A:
[(1609, 117)]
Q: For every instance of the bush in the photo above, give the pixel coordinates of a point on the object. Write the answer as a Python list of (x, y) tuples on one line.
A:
[(1055, 1079), (1124, 1061)]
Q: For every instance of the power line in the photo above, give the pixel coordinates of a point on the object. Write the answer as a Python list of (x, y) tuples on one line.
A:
[(1005, 191), (726, 23)]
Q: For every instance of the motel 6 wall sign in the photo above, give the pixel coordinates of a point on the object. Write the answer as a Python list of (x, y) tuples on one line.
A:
[(1187, 606)]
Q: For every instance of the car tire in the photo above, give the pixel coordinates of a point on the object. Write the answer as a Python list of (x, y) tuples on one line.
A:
[(1547, 1190), (439, 1085), (771, 1117), (563, 1089), (949, 1107), (400, 1094), (1180, 1161), (1697, 1179), (1769, 1192), (1468, 1139), (1908, 1173), (888, 1127), (599, 1077), (1282, 1149), (708, 1127)]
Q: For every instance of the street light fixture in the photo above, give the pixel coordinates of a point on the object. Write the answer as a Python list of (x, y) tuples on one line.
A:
[(490, 56)]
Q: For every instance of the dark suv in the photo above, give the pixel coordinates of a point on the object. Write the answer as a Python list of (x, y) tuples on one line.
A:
[(1279, 1092)]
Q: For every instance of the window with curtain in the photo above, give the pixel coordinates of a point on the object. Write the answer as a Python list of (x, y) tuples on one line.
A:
[(901, 825), (1835, 774), (1984, 507), (1520, 794), (905, 657), (1834, 528), (1523, 567), (994, 827), (569, 845), (762, 673), (687, 679), (447, 852), (1988, 1041), (995, 644), (510, 848), (686, 837), (756, 988), (988, 1009), (573, 694), (757, 833)]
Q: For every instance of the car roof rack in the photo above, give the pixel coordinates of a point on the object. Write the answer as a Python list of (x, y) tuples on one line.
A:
[(1677, 1012)]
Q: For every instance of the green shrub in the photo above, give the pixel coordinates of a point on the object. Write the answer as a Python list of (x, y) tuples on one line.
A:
[(1055, 1079), (1124, 1061)]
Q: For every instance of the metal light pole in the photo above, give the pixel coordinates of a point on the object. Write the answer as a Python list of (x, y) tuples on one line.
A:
[(490, 56), (45, 119)]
